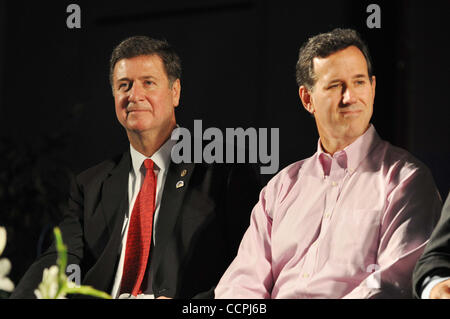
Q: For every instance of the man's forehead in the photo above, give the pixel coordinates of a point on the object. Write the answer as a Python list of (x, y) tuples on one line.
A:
[(145, 65), (348, 60)]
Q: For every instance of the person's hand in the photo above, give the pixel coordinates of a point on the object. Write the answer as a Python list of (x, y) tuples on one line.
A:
[(163, 297), (441, 290)]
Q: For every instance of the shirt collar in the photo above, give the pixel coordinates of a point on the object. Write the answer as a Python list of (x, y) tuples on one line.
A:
[(161, 157), (350, 157)]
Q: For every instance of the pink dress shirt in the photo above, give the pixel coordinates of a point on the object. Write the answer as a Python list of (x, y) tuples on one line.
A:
[(351, 225)]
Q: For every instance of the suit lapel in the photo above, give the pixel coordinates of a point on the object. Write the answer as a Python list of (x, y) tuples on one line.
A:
[(115, 202), (115, 191), (175, 189)]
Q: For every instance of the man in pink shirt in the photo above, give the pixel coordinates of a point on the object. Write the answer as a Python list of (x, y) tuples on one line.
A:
[(352, 220)]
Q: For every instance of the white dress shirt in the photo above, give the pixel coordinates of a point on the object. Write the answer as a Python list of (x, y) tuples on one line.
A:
[(429, 283), (161, 159)]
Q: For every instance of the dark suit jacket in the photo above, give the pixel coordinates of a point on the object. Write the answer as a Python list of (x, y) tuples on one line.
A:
[(436, 257), (198, 231)]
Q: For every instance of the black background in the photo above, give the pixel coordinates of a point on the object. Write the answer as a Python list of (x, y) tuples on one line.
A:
[(57, 111)]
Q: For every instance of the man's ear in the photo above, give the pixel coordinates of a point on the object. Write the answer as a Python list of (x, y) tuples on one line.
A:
[(373, 83), (176, 92), (305, 97)]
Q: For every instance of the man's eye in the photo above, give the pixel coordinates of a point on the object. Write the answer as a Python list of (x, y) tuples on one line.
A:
[(123, 86), (334, 86), (360, 82), (147, 82)]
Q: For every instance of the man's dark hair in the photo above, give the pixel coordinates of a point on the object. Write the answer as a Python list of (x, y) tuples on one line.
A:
[(142, 45), (322, 46)]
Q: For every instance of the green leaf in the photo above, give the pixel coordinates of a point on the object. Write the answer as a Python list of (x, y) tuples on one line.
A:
[(62, 278), (62, 259), (87, 290)]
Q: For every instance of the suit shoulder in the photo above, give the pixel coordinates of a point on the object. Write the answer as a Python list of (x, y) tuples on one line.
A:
[(100, 170)]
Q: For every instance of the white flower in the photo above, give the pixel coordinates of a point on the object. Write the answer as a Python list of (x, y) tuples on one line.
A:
[(56, 285), (2, 239), (49, 287), (5, 265), (5, 283)]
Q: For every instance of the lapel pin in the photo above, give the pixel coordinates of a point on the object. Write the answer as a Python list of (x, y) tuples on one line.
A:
[(179, 184), (183, 173)]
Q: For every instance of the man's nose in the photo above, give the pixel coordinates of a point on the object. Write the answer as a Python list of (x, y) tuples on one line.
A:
[(349, 96), (136, 93)]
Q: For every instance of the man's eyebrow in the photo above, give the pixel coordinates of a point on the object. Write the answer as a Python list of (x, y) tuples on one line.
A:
[(142, 78), (357, 76), (334, 81)]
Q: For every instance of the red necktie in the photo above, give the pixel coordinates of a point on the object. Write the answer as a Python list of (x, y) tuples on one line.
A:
[(139, 234)]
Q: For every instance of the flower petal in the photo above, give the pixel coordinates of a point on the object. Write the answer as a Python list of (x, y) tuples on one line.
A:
[(5, 267), (6, 284), (48, 288), (38, 294), (2, 239)]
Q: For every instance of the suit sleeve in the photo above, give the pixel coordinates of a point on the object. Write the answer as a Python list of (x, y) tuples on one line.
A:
[(71, 230), (436, 257)]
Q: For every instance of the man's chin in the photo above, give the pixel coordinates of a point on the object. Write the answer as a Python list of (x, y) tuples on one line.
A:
[(142, 126), (139, 128), (355, 130)]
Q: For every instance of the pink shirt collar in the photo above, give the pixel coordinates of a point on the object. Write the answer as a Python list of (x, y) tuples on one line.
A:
[(350, 157)]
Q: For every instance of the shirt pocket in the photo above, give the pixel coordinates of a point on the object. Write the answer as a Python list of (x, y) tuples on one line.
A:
[(354, 238)]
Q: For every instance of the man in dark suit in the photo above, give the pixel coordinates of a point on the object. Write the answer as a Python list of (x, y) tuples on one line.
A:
[(431, 278), (199, 212)]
